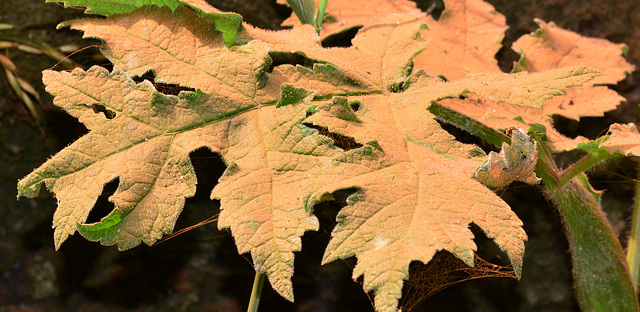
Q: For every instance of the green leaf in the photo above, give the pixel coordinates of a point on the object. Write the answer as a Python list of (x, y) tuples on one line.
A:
[(228, 24), (594, 148), (305, 10)]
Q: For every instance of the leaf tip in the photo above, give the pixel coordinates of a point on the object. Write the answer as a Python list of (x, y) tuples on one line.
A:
[(58, 238), (27, 191), (625, 50), (229, 24)]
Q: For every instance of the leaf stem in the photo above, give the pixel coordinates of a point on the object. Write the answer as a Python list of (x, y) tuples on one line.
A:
[(601, 279), (256, 292), (576, 168), (633, 249), (320, 16), (546, 168)]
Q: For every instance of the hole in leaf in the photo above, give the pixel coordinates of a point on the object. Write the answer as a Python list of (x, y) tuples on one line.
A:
[(506, 58), (431, 7), (355, 105), (103, 207), (589, 127), (99, 108), (397, 87), (171, 89), (344, 142), (208, 167), (295, 58), (164, 88), (466, 137), (327, 211), (341, 39)]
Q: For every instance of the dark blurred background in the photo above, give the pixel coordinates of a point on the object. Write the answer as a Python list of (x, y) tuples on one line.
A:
[(200, 270)]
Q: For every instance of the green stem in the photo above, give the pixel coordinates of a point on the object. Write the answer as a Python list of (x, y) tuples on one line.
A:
[(546, 166), (320, 16), (256, 292), (601, 278), (578, 167), (633, 250)]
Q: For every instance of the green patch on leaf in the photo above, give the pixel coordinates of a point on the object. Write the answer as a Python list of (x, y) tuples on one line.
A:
[(292, 95), (105, 230), (228, 24)]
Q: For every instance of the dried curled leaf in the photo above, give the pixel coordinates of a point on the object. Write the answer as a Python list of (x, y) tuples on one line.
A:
[(514, 163)]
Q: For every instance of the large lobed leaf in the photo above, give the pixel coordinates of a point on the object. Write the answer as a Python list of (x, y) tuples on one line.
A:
[(146, 145), (416, 192), (547, 48)]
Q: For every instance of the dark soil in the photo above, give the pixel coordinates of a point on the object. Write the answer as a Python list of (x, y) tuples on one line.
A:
[(201, 270)]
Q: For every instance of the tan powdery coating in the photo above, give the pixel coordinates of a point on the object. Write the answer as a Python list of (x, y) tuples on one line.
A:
[(343, 15), (547, 48), (416, 192)]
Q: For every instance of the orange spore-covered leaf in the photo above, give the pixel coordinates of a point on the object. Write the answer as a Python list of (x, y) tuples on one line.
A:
[(548, 48), (464, 40), (623, 139), (415, 195), (343, 15)]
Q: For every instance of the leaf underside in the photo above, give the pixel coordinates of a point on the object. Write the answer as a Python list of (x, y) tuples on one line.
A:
[(416, 193)]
